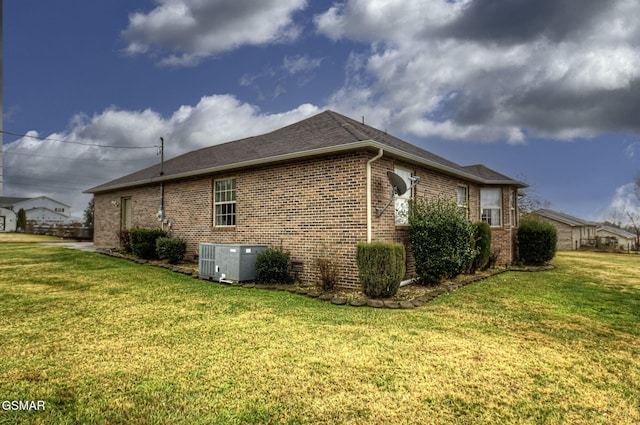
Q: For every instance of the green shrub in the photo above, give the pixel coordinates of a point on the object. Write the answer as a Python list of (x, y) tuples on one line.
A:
[(381, 266), (440, 237), (143, 242), (536, 242), (172, 249), (21, 223), (272, 266), (482, 240)]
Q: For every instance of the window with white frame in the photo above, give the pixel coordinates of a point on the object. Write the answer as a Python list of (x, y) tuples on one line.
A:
[(225, 202), (402, 201), (491, 206), (463, 196), (512, 208)]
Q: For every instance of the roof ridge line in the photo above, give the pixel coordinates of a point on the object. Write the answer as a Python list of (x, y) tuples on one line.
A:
[(348, 126)]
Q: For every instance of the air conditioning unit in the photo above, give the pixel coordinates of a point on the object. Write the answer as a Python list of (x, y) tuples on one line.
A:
[(228, 262)]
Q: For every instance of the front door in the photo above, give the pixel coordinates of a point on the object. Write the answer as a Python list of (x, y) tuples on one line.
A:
[(2, 222)]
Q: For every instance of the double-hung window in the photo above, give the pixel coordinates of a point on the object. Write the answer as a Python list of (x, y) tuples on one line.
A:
[(491, 206), (225, 202), (463, 198)]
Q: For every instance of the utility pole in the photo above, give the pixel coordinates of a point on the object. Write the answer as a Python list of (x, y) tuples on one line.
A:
[(1, 116)]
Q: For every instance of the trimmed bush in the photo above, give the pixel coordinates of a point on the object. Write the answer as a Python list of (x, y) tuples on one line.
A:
[(482, 239), (381, 266), (171, 249), (441, 239), (272, 266), (143, 242), (536, 242)]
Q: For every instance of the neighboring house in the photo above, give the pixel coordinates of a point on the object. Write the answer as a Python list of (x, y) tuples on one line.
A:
[(45, 211), (8, 220), (41, 210), (312, 188), (9, 217), (573, 232), (612, 237)]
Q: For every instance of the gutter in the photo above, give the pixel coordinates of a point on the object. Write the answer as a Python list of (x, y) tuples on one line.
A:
[(369, 162)]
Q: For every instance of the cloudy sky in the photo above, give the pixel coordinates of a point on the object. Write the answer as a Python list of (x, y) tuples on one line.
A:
[(545, 91)]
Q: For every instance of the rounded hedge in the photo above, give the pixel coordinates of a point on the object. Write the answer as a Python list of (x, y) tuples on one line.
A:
[(143, 242), (272, 266), (482, 238), (441, 239), (171, 249), (536, 242)]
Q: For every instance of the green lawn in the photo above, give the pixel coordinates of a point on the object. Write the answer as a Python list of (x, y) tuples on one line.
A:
[(104, 340), (27, 238)]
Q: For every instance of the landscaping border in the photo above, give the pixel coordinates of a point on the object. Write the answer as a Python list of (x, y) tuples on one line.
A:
[(329, 297)]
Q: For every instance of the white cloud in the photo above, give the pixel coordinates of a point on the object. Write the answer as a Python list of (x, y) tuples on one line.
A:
[(300, 64), (183, 32), (62, 171), (623, 204), (460, 71)]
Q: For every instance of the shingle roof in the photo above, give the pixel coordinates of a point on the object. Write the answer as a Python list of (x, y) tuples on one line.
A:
[(564, 218), (320, 134), (615, 230), (9, 201)]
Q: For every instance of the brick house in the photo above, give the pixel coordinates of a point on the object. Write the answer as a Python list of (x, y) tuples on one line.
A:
[(311, 187)]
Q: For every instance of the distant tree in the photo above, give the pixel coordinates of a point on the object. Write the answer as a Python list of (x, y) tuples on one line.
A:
[(629, 211), (21, 225), (530, 200), (88, 214)]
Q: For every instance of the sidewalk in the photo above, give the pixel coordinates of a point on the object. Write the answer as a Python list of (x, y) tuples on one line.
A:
[(82, 246)]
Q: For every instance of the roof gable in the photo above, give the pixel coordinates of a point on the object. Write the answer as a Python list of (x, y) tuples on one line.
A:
[(323, 133)]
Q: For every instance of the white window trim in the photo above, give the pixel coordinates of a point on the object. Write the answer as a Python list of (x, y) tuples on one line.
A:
[(220, 203), (464, 205), (402, 201), (499, 207), (513, 208)]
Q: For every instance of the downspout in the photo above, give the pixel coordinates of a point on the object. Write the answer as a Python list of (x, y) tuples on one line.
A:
[(161, 212), (369, 196)]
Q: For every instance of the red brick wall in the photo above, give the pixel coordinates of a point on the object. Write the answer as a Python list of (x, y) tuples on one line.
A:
[(312, 208), (433, 184)]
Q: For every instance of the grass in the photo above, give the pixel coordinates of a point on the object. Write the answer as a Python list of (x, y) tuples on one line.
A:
[(103, 340), (28, 238)]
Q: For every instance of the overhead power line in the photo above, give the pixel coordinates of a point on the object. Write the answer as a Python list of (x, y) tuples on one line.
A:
[(77, 143), (44, 185), (74, 158)]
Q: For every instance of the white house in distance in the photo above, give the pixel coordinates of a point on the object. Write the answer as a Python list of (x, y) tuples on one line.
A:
[(613, 237), (42, 211)]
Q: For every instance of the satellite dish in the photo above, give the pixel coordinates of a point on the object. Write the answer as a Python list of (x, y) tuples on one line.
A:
[(399, 188), (397, 183)]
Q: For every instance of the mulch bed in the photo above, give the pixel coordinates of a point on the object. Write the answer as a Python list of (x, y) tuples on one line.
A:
[(407, 297)]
